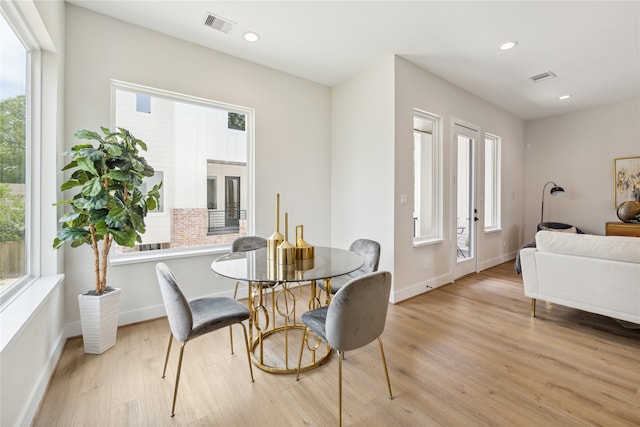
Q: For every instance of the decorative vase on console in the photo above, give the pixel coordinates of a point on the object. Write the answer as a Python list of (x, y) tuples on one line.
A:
[(629, 211)]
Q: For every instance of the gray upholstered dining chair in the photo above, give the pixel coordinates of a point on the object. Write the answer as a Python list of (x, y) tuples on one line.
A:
[(191, 319), (356, 317), (370, 251), (245, 244)]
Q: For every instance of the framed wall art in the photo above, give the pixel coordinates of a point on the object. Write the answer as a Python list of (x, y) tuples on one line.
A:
[(627, 179)]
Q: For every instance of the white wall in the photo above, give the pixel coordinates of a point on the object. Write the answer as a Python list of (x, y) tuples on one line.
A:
[(415, 268), (577, 152), (362, 160), (291, 142), (33, 325)]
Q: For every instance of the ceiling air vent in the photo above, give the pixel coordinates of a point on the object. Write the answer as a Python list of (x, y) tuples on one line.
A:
[(541, 77), (219, 23)]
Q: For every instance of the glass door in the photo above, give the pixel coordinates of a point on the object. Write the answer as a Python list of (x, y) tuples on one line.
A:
[(464, 200)]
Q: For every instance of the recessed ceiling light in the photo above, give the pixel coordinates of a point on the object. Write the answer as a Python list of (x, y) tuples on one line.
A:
[(508, 45), (250, 36), (563, 97)]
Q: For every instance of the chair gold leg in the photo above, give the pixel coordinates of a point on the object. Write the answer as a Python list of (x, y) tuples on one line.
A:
[(304, 338), (246, 343), (231, 338), (386, 371), (235, 293), (175, 390), (340, 358), (533, 307), (166, 359)]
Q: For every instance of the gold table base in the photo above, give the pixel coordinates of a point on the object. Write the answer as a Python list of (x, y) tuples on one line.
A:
[(271, 332), (290, 366)]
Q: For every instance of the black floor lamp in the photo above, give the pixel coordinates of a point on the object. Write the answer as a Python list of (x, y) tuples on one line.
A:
[(555, 191)]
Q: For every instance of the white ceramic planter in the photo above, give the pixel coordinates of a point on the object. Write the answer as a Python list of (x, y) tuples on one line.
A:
[(99, 320)]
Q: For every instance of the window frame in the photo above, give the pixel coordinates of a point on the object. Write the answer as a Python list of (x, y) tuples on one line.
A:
[(493, 183), (436, 214), (171, 253), (33, 126)]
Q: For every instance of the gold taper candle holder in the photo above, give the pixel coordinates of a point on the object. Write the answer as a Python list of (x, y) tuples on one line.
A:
[(276, 238), (286, 250), (304, 250)]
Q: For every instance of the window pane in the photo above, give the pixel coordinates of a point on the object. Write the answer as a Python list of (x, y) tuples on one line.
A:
[(492, 175), (426, 172), (13, 119), (190, 146), (143, 103)]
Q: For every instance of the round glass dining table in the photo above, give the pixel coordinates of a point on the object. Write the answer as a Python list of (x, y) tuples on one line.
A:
[(285, 283)]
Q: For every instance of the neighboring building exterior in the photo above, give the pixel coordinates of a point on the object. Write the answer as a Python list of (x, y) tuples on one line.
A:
[(190, 147)]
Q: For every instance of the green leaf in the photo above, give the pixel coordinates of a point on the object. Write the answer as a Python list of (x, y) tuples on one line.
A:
[(80, 242), (136, 220), (87, 134), (92, 154), (70, 217), (124, 237), (119, 176), (141, 144), (77, 148), (118, 214), (151, 203), (96, 203), (62, 202), (70, 165), (92, 188), (112, 149), (69, 184), (98, 216), (81, 176), (72, 233), (87, 165), (57, 243)]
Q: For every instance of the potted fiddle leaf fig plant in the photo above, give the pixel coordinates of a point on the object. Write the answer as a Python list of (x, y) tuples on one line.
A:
[(108, 205)]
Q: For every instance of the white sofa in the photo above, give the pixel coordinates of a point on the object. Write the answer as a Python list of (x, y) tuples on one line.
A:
[(598, 274)]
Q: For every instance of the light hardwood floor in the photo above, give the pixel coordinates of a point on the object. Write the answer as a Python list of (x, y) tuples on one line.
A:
[(466, 354)]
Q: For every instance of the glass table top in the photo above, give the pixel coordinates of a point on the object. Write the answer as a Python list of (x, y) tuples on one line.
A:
[(253, 266)]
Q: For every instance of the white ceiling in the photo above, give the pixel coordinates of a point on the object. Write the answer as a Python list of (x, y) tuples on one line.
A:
[(593, 47)]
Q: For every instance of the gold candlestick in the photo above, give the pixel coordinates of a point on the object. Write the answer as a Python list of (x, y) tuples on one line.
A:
[(303, 249), (276, 238), (286, 251)]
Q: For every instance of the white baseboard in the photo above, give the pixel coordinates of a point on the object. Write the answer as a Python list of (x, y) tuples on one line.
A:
[(436, 282), (420, 288), (497, 261)]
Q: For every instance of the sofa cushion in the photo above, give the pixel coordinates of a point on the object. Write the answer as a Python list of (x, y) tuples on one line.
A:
[(616, 248)]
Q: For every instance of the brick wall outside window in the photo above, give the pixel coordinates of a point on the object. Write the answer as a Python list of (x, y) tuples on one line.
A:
[(189, 228)]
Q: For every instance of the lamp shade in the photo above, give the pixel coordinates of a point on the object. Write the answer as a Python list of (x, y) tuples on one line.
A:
[(556, 190)]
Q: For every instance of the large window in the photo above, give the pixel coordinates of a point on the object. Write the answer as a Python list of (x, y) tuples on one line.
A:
[(205, 165), (492, 174), (14, 152), (427, 174)]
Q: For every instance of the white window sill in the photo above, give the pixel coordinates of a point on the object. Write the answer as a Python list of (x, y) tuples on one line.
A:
[(164, 254), (17, 312), (426, 242), (492, 230)]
